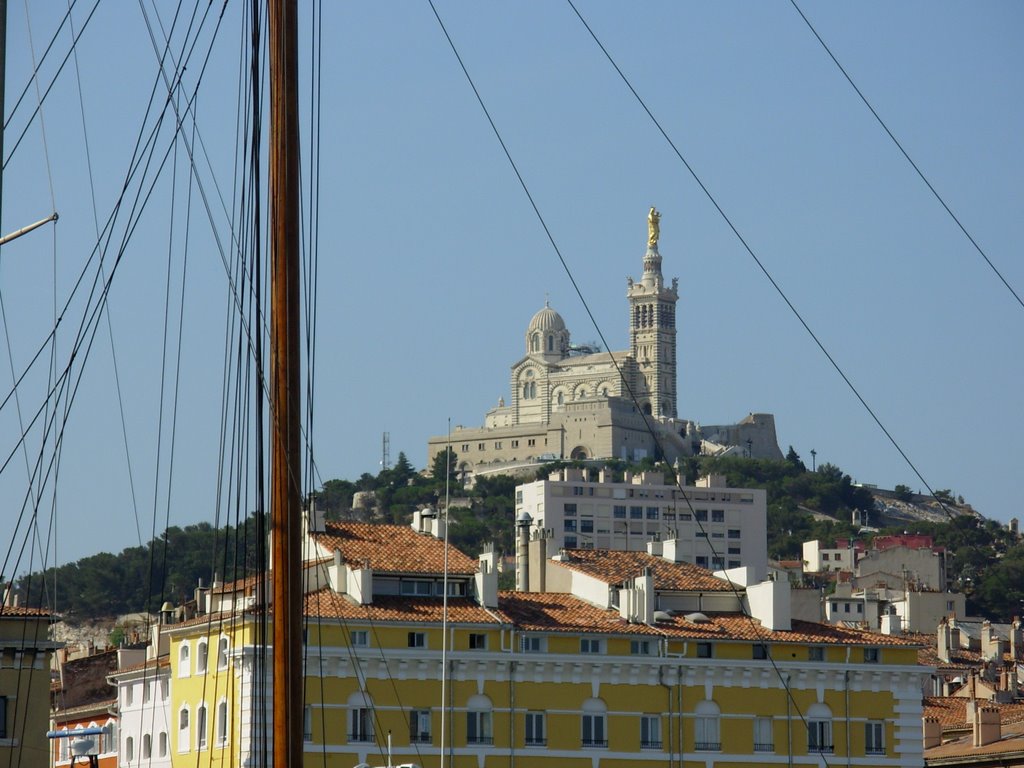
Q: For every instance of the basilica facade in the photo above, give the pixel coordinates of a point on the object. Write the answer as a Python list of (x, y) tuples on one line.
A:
[(573, 402)]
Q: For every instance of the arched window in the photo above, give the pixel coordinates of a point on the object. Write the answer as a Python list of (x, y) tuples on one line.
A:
[(161, 744), (201, 727), (647, 408), (183, 661), (533, 390), (222, 723), (594, 725), (535, 343), (706, 733), (183, 730), (129, 749), (360, 718), (560, 397), (222, 653), (201, 656), (479, 721), (147, 746), (551, 343), (819, 728)]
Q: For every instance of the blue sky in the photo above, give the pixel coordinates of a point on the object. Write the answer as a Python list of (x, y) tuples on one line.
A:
[(432, 261)]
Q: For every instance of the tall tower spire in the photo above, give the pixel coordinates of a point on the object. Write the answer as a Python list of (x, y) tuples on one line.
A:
[(652, 330)]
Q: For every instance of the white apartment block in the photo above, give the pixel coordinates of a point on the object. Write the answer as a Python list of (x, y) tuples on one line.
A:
[(712, 526), (818, 559)]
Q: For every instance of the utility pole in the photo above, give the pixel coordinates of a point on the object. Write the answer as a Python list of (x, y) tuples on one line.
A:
[(286, 469)]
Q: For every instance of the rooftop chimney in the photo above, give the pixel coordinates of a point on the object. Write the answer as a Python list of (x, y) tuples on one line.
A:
[(932, 732), (523, 523), (985, 725)]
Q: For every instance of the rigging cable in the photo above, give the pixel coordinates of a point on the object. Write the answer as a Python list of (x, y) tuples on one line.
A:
[(110, 326), (910, 160), (753, 255)]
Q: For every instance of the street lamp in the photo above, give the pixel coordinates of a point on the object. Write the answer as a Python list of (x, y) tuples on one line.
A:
[(814, 455)]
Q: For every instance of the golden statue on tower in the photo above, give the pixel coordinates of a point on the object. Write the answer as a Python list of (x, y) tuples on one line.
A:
[(653, 227)]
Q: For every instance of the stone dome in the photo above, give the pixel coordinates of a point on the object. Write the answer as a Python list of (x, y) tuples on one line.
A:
[(547, 320)]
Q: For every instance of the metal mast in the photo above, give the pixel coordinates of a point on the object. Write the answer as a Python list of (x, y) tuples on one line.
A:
[(286, 470)]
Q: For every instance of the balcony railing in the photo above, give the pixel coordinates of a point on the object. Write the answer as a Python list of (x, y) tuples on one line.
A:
[(419, 737), (360, 738), (763, 747), (595, 742), (478, 739), (825, 749), (708, 746), (536, 741), (874, 751), (651, 744)]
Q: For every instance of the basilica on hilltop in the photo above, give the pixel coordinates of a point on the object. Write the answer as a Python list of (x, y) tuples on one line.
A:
[(574, 402)]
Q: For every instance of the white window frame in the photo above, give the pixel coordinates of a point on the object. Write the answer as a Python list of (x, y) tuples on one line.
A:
[(874, 737), (202, 657), (535, 729), (650, 731), (359, 638), (222, 724), (707, 727), (184, 732), (223, 651), (764, 734), (420, 722), (184, 659), (590, 645), (531, 644), (202, 720)]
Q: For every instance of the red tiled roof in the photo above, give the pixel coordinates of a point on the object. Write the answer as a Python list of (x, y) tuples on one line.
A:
[(964, 658), (562, 612), (614, 567), (20, 611), (327, 604), (392, 548), (236, 585), (952, 711)]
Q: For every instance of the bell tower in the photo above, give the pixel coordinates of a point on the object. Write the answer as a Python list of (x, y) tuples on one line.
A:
[(652, 330)]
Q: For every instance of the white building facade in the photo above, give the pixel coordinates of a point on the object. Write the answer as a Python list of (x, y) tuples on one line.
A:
[(709, 524)]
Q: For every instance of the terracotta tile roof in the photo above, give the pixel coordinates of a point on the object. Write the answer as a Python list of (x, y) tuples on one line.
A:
[(21, 611), (65, 716), (163, 661), (737, 626), (392, 548), (327, 604), (236, 585), (218, 619), (614, 567), (562, 612), (961, 751), (952, 711), (929, 654)]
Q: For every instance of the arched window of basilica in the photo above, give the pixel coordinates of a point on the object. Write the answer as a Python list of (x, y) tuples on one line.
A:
[(551, 343), (647, 408), (533, 389), (560, 397), (535, 343)]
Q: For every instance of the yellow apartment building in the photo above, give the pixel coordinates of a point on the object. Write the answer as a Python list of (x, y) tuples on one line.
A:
[(25, 651), (635, 660)]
